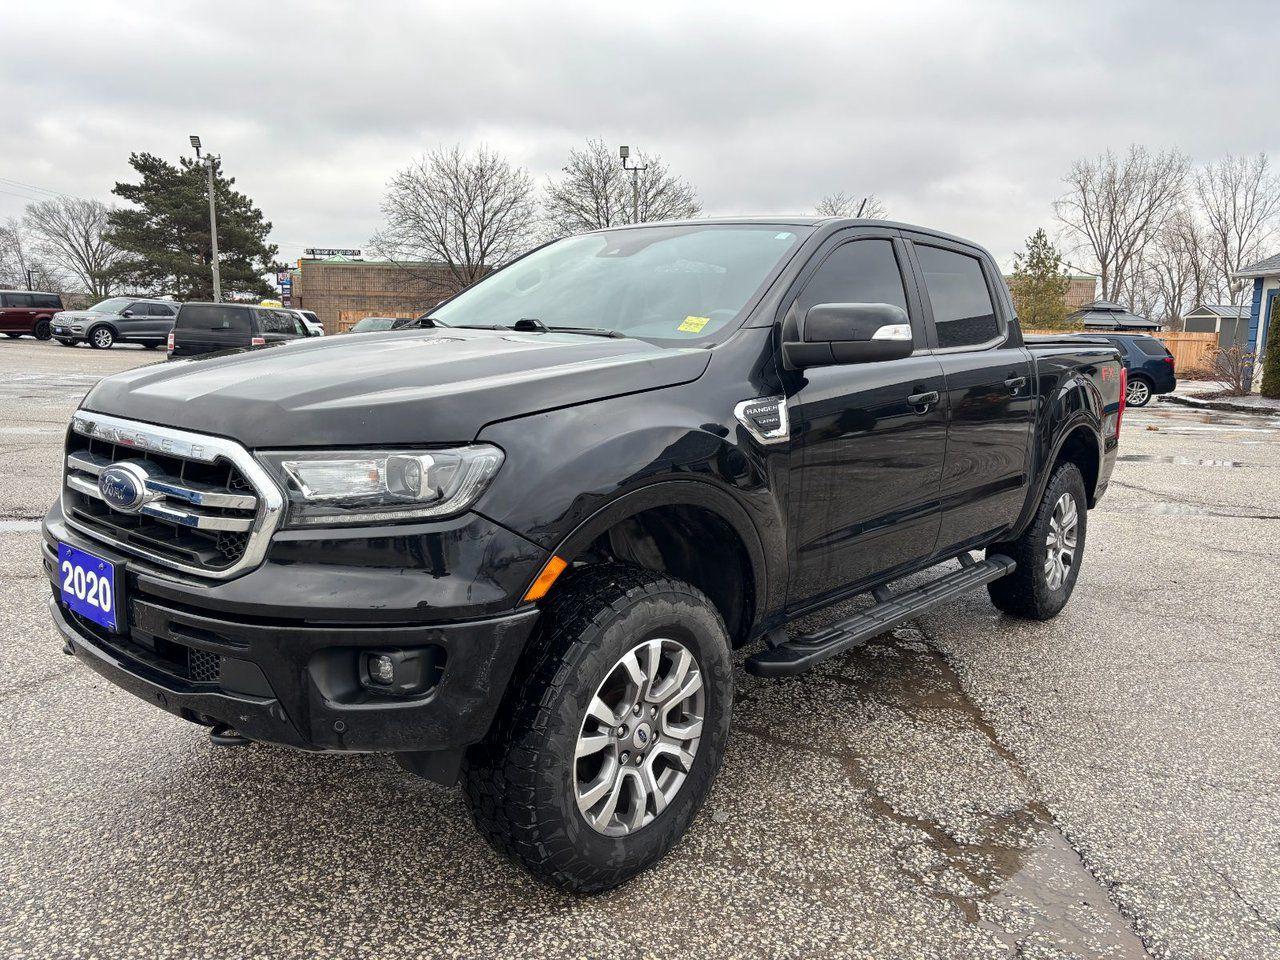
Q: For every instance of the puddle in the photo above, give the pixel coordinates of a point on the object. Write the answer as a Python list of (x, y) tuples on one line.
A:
[(1184, 461), (1009, 872), (1193, 510), (19, 526)]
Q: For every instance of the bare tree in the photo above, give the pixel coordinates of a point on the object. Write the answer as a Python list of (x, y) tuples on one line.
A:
[(841, 204), (1115, 206), (70, 234), (593, 191), (1176, 271), (1240, 201), (471, 212), (17, 257)]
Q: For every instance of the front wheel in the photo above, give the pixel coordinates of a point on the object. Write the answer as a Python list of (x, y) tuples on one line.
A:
[(1048, 553), (616, 726), (1138, 393), (102, 338), (42, 331)]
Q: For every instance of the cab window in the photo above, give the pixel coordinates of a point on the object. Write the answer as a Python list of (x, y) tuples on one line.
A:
[(963, 312)]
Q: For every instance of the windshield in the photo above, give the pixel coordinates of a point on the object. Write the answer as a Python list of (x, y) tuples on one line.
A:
[(114, 305), (663, 283), (370, 324)]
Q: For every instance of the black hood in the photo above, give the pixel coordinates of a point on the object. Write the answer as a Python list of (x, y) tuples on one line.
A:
[(428, 386)]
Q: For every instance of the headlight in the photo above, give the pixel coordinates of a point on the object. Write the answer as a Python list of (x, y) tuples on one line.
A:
[(373, 486)]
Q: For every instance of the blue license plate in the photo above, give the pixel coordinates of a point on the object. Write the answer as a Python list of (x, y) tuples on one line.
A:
[(88, 585)]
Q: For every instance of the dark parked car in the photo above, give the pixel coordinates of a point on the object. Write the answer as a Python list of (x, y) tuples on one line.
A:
[(211, 327), (144, 320), (378, 324), (1150, 365), (27, 312), (517, 543)]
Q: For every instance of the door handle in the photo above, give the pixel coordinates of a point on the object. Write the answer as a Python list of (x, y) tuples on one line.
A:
[(926, 399), (1015, 383)]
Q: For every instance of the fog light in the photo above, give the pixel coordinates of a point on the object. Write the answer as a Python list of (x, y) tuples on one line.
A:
[(400, 672)]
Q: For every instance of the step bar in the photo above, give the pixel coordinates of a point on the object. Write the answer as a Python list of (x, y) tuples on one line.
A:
[(796, 656)]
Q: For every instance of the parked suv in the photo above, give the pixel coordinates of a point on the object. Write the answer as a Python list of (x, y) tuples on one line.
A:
[(211, 327), (379, 324), (516, 544), (27, 312), (312, 322), (144, 320), (1149, 363)]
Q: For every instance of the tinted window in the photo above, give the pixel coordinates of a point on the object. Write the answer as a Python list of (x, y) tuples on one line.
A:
[(312, 317), (276, 321), (47, 300), (962, 308), (864, 271), (1151, 346), (19, 300), (212, 316), (159, 310)]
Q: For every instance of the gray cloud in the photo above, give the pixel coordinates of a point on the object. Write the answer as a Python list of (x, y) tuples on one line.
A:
[(963, 116)]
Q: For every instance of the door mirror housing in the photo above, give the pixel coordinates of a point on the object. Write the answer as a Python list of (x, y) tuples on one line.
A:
[(126, 314), (831, 333)]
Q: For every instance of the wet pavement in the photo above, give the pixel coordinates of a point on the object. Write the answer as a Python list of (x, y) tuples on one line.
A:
[(1102, 785)]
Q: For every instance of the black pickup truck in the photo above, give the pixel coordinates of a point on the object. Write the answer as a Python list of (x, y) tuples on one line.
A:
[(518, 545)]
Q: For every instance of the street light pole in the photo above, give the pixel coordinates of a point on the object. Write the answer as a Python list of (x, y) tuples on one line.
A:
[(213, 220), (624, 153)]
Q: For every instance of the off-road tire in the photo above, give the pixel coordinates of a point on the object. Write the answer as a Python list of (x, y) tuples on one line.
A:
[(43, 330), (519, 783), (1026, 592)]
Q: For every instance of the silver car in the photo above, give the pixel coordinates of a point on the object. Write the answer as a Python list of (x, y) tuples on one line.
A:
[(143, 320)]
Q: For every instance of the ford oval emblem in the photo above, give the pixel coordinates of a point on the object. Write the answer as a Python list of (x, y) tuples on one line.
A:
[(123, 487)]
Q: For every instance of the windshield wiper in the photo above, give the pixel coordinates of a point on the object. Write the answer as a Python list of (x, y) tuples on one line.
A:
[(534, 325)]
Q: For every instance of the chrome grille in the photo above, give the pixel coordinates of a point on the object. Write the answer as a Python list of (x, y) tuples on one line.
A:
[(208, 507)]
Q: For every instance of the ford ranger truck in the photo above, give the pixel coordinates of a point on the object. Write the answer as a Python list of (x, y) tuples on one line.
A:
[(518, 546)]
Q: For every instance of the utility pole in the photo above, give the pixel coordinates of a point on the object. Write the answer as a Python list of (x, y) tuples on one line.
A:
[(213, 220), (624, 153), (30, 279)]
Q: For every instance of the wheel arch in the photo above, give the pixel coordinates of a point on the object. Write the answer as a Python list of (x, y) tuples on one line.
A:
[(690, 530)]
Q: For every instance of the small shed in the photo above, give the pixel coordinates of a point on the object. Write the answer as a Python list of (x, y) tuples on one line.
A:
[(1105, 315), (1229, 322)]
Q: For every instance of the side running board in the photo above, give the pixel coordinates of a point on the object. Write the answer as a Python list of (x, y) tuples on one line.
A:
[(798, 655)]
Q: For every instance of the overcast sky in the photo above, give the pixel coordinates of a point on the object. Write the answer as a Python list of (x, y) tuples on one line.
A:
[(962, 116)]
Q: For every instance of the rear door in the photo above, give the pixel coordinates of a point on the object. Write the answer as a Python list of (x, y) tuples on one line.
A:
[(278, 326), (866, 461), (990, 390), (18, 313), (207, 327)]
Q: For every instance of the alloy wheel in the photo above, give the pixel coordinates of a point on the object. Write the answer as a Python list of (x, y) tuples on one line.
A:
[(102, 338), (638, 741), (1139, 393), (1061, 541)]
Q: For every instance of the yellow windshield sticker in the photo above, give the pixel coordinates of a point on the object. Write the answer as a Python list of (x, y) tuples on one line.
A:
[(693, 324)]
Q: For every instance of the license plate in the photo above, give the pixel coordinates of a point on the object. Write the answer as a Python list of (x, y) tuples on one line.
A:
[(88, 585)]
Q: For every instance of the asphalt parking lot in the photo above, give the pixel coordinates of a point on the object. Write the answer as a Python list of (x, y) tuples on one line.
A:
[(1103, 785)]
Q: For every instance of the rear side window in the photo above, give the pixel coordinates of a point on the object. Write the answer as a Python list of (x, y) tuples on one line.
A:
[(211, 316), (1151, 346), (861, 271), (47, 300), (962, 309), (159, 310)]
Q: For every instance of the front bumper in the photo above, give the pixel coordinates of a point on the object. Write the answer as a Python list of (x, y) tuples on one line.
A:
[(202, 652)]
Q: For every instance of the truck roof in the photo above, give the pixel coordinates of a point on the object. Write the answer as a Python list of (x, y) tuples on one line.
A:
[(785, 221)]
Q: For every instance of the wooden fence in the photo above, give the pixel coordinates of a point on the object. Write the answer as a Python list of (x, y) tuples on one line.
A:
[(1190, 351), (349, 318)]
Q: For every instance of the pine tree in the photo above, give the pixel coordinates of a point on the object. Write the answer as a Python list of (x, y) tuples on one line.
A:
[(1271, 360), (165, 235), (1039, 285)]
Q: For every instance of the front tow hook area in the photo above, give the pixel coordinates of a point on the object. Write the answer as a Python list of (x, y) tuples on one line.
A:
[(224, 735)]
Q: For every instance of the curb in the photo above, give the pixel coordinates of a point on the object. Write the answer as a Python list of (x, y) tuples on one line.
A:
[(1223, 405)]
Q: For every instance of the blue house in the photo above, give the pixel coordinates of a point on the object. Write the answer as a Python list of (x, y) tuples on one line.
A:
[(1265, 275)]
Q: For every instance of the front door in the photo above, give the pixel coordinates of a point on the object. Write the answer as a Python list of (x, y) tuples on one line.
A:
[(990, 384), (866, 459)]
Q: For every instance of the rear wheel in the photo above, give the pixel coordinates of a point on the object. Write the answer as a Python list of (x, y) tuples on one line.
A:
[(1048, 553), (613, 732), (1138, 393), (42, 330), (101, 338)]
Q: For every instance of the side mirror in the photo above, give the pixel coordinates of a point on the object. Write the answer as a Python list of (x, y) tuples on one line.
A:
[(126, 314), (831, 333)]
